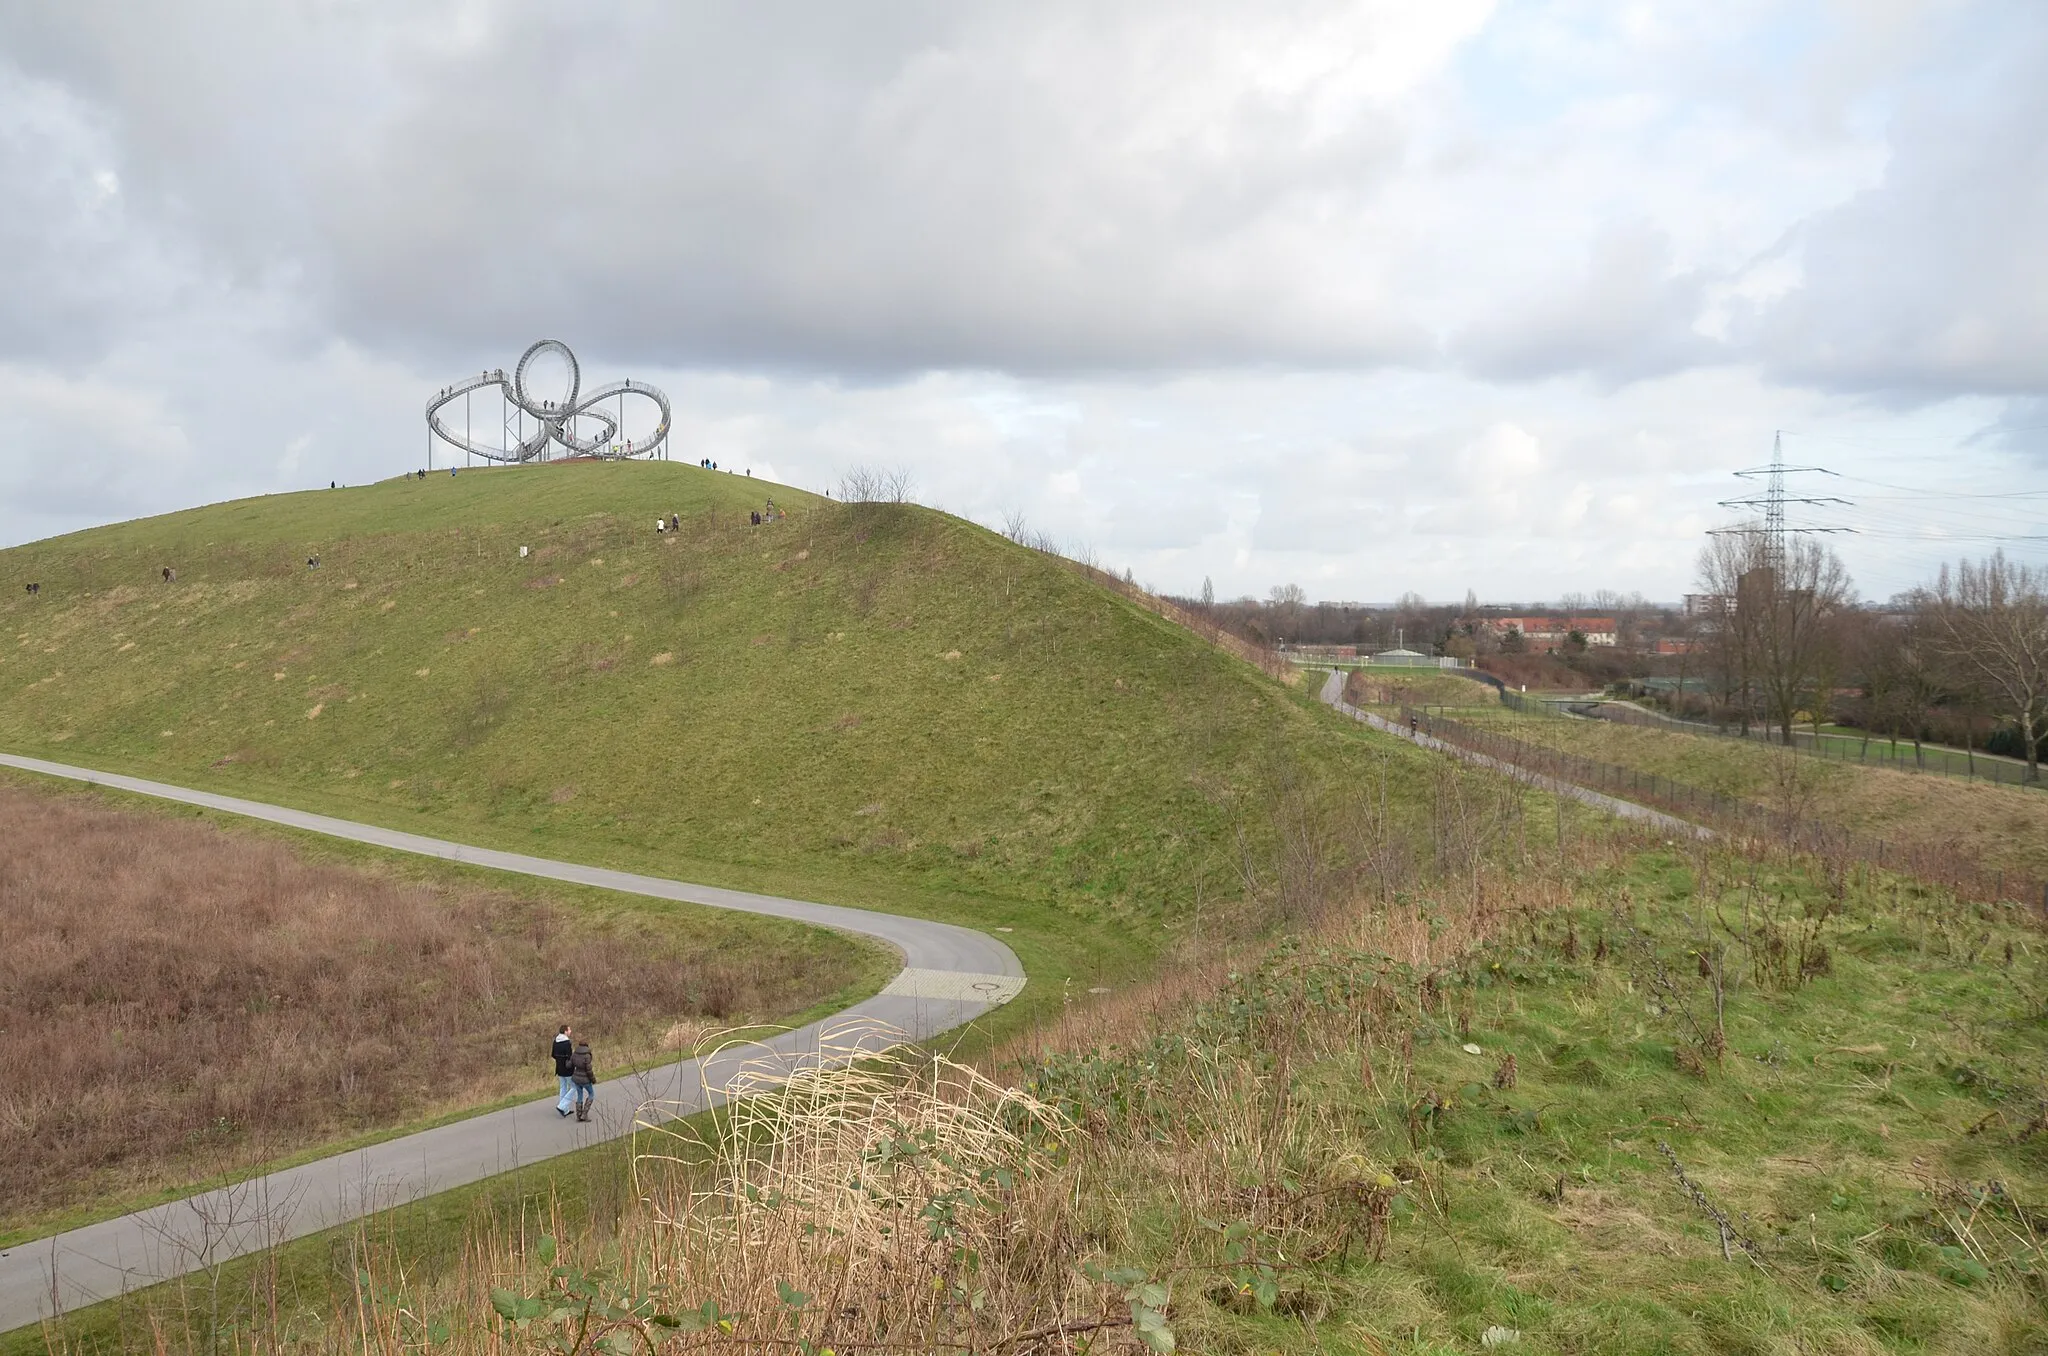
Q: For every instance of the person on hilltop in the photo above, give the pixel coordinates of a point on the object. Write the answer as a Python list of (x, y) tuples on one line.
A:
[(583, 1074), (564, 1052)]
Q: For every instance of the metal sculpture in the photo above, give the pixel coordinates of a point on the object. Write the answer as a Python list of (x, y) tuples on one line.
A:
[(554, 418)]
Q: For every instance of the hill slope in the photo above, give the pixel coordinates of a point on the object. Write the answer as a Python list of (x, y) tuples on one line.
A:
[(875, 693), (1998, 827)]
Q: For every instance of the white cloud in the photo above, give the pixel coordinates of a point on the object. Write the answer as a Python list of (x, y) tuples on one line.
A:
[(1361, 292)]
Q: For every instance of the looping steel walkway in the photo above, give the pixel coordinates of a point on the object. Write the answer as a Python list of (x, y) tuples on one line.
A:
[(951, 975)]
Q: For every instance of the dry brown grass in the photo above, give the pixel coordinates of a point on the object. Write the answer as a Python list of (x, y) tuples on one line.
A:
[(1994, 827), (909, 1203), (1425, 928), (181, 1001), (2001, 826), (1420, 687)]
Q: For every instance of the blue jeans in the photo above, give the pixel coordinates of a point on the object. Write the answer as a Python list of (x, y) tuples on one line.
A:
[(568, 1091), (585, 1092)]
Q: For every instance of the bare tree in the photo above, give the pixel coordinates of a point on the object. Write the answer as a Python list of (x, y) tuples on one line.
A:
[(1685, 630), (1779, 620), (1725, 561), (1800, 639), (876, 485), (1286, 602), (1991, 619), (1903, 673)]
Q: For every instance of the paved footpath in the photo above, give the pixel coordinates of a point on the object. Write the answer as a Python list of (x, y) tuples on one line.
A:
[(951, 975), (1333, 695)]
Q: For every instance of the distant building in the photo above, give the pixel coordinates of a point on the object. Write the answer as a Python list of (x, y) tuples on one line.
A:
[(1410, 659), (1557, 630), (1676, 645)]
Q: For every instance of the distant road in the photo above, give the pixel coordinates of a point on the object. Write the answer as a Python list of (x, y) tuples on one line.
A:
[(951, 975)]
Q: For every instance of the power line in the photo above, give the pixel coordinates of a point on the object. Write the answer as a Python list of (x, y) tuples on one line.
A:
[(1773, 502)]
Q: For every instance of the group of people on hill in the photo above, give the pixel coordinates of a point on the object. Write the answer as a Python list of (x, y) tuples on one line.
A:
[(755, 517), (705, 463), (576, 1072)]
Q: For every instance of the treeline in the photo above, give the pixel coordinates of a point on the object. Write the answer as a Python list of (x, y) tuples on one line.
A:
[(1286, 617), (1781, 640)]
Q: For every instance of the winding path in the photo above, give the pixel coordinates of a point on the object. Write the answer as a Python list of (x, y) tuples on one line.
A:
[(951, 975)]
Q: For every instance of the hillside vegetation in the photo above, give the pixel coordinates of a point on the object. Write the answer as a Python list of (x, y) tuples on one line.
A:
[(1391, 687), (210, 1000), (2002, 827), (1601, 1098), (868, 698)]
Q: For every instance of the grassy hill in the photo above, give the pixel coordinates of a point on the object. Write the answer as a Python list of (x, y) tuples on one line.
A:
[(1508, 1087), (879, 701)]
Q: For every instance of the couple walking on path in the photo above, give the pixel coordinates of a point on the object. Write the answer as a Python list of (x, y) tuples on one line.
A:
[(577, 1074)]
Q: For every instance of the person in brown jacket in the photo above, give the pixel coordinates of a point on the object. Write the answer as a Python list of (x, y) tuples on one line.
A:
[(583, 1075)]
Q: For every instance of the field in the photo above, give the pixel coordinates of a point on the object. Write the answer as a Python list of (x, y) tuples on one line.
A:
[(190, 1002), (1389, 687), (1597, 1098), (2003, 827), (1848, 744)]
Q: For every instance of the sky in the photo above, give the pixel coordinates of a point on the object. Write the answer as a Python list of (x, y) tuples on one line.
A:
[(1373, 297)]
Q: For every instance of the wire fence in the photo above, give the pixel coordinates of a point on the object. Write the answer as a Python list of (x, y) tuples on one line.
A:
[(1531, 706), (1940, 865), (1862, 747)]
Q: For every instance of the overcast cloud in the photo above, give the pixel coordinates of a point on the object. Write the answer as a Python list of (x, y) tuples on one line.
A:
[(1372, 296)]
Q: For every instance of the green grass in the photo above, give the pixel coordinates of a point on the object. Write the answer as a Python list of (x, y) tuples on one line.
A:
[(1852, 1133), (1848, 744), (1875, 1130), (872, 698), (876, 705)]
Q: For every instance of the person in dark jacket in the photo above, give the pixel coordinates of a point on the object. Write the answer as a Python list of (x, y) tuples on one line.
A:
[(584, 1075), (564, 1048)]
